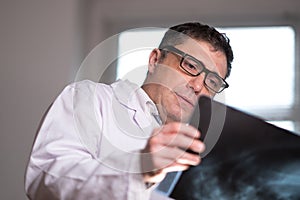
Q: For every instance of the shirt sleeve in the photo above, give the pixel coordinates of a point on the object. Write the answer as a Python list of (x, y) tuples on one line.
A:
[(61, 167)]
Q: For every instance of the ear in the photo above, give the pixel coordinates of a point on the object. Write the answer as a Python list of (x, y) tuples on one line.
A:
[(153, 59)]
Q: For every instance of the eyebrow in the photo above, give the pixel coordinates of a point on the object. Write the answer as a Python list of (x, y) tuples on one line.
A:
[(184, 54)]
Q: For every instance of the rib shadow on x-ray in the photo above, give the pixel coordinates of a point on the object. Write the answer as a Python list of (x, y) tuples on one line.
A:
[(251, 159)]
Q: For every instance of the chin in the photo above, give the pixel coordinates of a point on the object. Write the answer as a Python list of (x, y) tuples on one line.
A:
[(178, 113), (178, 117)]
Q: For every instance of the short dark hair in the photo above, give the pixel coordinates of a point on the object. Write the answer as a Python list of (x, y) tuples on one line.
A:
[(180, 33)]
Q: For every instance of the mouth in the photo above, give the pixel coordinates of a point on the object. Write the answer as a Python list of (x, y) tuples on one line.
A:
[(186, 100)]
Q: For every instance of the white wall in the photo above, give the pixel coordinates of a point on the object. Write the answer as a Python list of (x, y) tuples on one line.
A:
[(39, 52)]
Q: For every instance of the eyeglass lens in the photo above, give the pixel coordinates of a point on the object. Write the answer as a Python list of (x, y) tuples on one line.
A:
[(212, 80)]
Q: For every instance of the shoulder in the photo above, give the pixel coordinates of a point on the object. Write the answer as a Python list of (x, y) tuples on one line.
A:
[(86, 87)]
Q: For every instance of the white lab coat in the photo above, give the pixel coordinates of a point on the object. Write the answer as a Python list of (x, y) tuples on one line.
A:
[(89, 143)]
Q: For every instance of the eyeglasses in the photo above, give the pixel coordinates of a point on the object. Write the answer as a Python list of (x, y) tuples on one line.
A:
[(194, 67)]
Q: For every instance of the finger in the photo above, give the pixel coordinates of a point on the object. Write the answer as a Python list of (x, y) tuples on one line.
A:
[(173, 154), (182, 141), (175, 167), (176, 127), (197, 146)]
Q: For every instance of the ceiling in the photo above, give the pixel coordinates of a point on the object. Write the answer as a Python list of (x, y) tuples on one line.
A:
[(104, 18), (230, 11)]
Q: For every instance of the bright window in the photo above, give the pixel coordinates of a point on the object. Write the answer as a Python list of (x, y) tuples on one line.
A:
[(263, 68), (134, 49)]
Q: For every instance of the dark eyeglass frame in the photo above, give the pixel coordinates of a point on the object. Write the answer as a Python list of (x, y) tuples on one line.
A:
[(184, 55)]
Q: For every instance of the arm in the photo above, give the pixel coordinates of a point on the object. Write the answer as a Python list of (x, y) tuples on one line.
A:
[(62, 167)]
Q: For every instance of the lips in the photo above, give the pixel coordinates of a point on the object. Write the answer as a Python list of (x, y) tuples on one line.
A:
[(187, 99)]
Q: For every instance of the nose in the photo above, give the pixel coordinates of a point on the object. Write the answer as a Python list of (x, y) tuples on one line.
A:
[(197, 84)]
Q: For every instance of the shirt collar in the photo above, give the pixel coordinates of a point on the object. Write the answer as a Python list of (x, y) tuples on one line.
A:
[(135, 98)]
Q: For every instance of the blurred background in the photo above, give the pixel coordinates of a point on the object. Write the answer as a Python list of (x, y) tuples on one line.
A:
[(43, 43)]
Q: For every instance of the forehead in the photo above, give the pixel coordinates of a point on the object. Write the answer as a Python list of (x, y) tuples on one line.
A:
[(203, 51)]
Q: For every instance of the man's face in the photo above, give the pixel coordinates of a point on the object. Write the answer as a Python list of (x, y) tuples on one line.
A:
[(174, 91)]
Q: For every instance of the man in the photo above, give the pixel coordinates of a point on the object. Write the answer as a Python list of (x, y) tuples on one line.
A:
[(119, 141)]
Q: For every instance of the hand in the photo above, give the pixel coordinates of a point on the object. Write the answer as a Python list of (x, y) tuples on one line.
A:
[(166, 151)]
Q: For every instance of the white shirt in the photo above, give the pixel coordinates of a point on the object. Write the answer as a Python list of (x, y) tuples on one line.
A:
[(88, 146)]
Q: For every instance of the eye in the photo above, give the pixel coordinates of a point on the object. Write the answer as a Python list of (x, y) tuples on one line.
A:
[(190, 66), (213, 82)]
